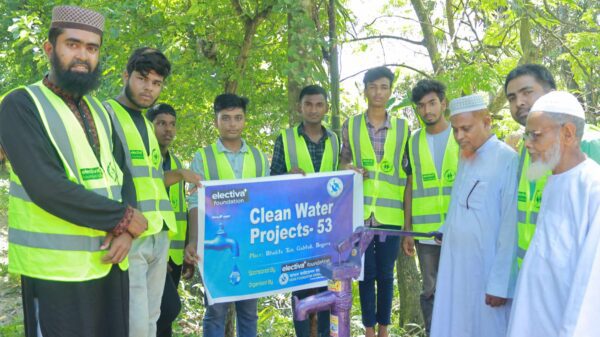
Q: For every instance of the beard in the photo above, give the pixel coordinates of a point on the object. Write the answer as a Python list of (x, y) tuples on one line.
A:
[(539, 168), (73, 82), (129, 95), (467, 154)]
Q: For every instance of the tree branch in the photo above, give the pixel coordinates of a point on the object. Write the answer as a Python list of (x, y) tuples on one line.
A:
[(394, 37), (390, 65)]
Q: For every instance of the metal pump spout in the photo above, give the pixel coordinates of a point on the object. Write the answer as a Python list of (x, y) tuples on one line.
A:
[(222, 242), (315, 303)]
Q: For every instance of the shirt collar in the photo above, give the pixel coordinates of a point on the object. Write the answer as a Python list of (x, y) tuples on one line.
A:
[(302, 133), (486, 144), (222, 148), (387, 124), (58, 90)]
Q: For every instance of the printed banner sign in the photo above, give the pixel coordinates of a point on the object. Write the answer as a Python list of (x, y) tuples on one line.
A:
[(263, 236)]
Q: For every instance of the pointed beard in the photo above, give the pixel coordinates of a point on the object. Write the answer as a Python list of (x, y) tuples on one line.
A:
[(75, 83), (539, 168)]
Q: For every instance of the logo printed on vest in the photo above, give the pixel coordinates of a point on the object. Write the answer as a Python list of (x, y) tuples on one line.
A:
[(386, 166), (428, 177), (175, 203), (91, 173), (538, 199), (136, 154), (368, 162), (450, 175), (522, 197), (155, 157), (112, 171)]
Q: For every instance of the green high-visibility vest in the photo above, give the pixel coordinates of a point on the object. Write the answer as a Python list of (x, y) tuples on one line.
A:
[(384, 189), (297, 155), (42, 245), (431, 193), (146, 170), (528, 205), (217, 166), (177, 196)]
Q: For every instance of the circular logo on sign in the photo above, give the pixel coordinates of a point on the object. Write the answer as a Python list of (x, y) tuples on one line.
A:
[(386, 166), (283, 279), (335, 186), (450, 175), (155, 157)]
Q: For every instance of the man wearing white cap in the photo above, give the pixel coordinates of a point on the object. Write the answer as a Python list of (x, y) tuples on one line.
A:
[(477, 268), (70, 225), (558, 292)]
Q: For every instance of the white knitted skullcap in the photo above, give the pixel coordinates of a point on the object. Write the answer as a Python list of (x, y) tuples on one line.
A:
[(560, 102), (467, 104)]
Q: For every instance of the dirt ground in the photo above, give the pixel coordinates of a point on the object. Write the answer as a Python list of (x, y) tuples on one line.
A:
[(10, 289)]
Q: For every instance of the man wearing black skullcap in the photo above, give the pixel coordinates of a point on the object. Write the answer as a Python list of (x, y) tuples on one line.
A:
[(70, 225)]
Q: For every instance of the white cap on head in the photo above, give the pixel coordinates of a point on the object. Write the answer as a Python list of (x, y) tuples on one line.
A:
[(467, 104), (560, 102)]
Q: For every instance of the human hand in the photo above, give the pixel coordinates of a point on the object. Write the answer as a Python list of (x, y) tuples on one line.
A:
[(190, 255), (138, 224), (188, 270), (191, 177), (297, 170), (408, 246), (119, 247), (494, 301)]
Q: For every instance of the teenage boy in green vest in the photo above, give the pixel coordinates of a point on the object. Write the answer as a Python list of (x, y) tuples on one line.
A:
[(434, 162), (68, 191), (146, 72), (376, 145), (229, 158), (164, 120), (308, 148), (523, 86)]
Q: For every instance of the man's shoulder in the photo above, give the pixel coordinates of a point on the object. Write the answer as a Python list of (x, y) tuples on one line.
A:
[(504, 150)]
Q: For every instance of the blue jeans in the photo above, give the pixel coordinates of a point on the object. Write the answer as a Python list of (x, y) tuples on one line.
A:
[(213, 324), (303, 327), (379, 266)]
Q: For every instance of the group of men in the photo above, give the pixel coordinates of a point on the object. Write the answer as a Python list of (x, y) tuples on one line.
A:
[(99, 226)]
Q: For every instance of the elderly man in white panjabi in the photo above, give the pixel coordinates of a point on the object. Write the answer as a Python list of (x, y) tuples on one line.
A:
[(478, 261), (558, 291)]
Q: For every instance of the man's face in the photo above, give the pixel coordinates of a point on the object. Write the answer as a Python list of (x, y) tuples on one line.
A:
[(542, 139), (471, 130), (431, 109), (165, 129), (378, 92), (74, 60), (313, 108), (143, 90), (230, 123), (521, 93)]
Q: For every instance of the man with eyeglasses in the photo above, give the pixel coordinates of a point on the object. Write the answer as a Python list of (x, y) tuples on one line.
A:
[(558, 290), (523, 86)]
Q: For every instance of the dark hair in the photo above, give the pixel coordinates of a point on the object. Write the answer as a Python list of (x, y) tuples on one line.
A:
[(54, 32), (541, 74), (312, 90), (374, 74), (425, 87), (230, 101), (145, 59), (160, 108)]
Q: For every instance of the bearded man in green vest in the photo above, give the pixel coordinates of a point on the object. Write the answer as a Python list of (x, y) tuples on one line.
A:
[(434, 160), (144, 78), (230, 157), (376, 145), (70, 225), (308, 148), (523, 86)]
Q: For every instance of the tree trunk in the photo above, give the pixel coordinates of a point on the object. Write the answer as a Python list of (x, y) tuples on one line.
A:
[(428, 37), (334, 69), (409, 289), (230, 321)]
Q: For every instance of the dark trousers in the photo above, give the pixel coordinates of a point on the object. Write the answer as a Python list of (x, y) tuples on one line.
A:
[(96, 308), (429, 260), (379, 266), (170, 305), (303, 327)]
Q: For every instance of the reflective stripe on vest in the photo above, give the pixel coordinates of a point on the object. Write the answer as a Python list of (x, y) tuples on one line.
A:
[(528, 204), (60, 250), (430, 193), (146, 170), (297, 155), (177, 196), (384, 188), (217, 167)]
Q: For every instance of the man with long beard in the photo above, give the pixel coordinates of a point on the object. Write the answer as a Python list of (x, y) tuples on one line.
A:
[(478, 260), (69, 232), (558, 289), (146, 71)]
